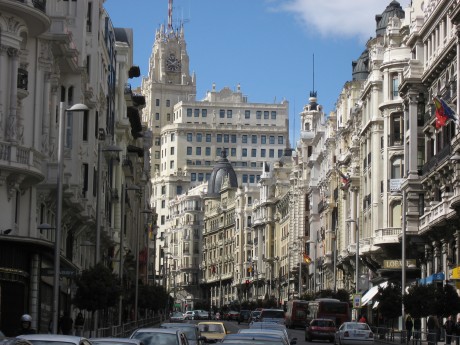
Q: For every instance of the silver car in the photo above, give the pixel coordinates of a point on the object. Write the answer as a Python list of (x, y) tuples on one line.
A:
[(154, 336), (54, 339), (191, 330), (115, 341)]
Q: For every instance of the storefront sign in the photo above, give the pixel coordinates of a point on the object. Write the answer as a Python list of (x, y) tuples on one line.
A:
[(398, 263)]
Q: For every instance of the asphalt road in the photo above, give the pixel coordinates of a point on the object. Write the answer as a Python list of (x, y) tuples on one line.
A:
[(298, 333)]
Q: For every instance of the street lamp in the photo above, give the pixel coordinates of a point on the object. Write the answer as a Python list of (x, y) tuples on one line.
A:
[(57, 245)]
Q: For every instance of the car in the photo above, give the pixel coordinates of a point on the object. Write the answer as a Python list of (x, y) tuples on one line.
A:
[(254, 317), (256, 338), (269, 331), (272, 315), (352, 333), (115, 341), (153, 336), (191, 330), (54, 339), (320, 329), (214, 331), (245, 316), (201, 315), (176, 316), (189, 315), (232, 315)]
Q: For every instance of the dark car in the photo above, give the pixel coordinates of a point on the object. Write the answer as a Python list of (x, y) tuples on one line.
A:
[(245, 316), (320, 329)]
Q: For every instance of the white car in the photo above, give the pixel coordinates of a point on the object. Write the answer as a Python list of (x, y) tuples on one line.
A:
[(54, 339), (352, 333), (189, 315)]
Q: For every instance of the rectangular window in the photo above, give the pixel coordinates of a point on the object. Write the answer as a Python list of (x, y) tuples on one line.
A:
[(244, 153), (171, 150), (253, 152), (189, 150), (171, 165), (253, 165), (272, 139), (254, 139), (199, 137), (198, 151), (189, 112), (245, 178), (263, 153), (233, 138), (222, 113), (280, 153), (395, 86), (85, 174), (193, 177), (208, 176), (244, 139), (200, 177), (157, 116), (173, 137), (280, 140), (258, 115), (263, 139), (219, 138), (157, 102), (208, 137), (207, 151), (163, 220), (163, 203), (196, 112), (85, 126), (168, 103), (233, 151), (218, 151), (157, 154), (189, 137), (229, 114), (226, 138), (178, 190), (273, 115), (271, 153), (252, 178), (247, 114), (266, 115), (204, 112), (89, 15)]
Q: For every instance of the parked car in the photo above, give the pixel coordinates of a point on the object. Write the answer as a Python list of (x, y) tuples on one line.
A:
[(214, 331), (115, 341), (154, 336), (245, 316), (255, 315), (54, 339), (320, 329), (201, 315), (189, 315), (232, 315), (351, 333), (176, 316), (191, 330)]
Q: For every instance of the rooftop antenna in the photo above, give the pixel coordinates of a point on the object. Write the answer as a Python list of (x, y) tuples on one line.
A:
[(313, 93)]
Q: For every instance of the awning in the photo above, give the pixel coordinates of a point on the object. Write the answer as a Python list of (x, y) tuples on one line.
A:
[(437, 277), (369, 295)]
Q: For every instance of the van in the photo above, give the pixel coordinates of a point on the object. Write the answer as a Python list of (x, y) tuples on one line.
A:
[(296, 313), (272, 315)]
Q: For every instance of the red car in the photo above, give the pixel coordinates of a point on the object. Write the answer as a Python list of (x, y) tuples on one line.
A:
[(232, 315), (320, 329)]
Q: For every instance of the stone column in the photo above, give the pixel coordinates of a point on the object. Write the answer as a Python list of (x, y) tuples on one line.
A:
[(11, 130), (436, 256), (53, 123), (429, 260), (46, 115), (3, 69), (410, 152), (457, 247)]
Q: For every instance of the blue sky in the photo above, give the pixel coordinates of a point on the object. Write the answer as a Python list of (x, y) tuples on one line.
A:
[(266, 46)]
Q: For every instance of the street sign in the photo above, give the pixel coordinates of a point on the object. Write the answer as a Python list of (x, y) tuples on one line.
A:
[(357, 301), (65, 273)]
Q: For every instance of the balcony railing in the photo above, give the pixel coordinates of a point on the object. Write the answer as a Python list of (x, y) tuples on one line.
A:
[(435, 160)]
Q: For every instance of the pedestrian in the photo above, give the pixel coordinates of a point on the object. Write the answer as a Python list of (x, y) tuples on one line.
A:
[(409, 327), (26, 325), (66, 324), (417, 329), (362, 319), (79, 323), (449, 326), (433, 327)]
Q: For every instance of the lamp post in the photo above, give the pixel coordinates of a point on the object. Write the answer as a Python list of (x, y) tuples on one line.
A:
[(124, 189), (57, 245)]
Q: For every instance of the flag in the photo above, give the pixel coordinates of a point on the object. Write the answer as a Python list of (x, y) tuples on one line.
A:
[(306, 258), (443, 112), (345, 179)]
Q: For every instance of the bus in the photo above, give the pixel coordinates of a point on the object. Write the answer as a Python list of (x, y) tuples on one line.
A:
[(329, 308), (296, 313)]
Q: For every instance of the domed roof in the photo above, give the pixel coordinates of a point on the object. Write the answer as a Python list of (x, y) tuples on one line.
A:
[(360, 67), (393, 9), (222, 169)]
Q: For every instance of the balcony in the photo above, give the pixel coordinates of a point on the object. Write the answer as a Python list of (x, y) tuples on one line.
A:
[(387, 235), (435, 215), (434, 161), (32, 12)]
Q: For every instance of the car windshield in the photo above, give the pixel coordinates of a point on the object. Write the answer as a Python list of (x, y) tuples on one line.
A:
[(156, 338), (358, 326), (190, 332), (49, 342), (177, 314), (322, 323), (273, 314), (211, 328)]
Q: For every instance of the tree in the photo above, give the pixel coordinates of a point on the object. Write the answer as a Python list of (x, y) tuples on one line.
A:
[(420, 300), (390, 300), (97, 289), (449, 300)]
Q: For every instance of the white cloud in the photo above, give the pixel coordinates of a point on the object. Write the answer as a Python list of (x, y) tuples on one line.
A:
[(338, 18)]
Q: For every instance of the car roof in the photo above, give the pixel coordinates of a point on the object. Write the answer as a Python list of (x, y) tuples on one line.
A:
[(117, 340), (178, 325), (157, 330), (256, 336), (52, 337), (210, 323)]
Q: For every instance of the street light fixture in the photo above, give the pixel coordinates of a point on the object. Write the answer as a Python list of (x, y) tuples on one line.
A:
[(57, 245)]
